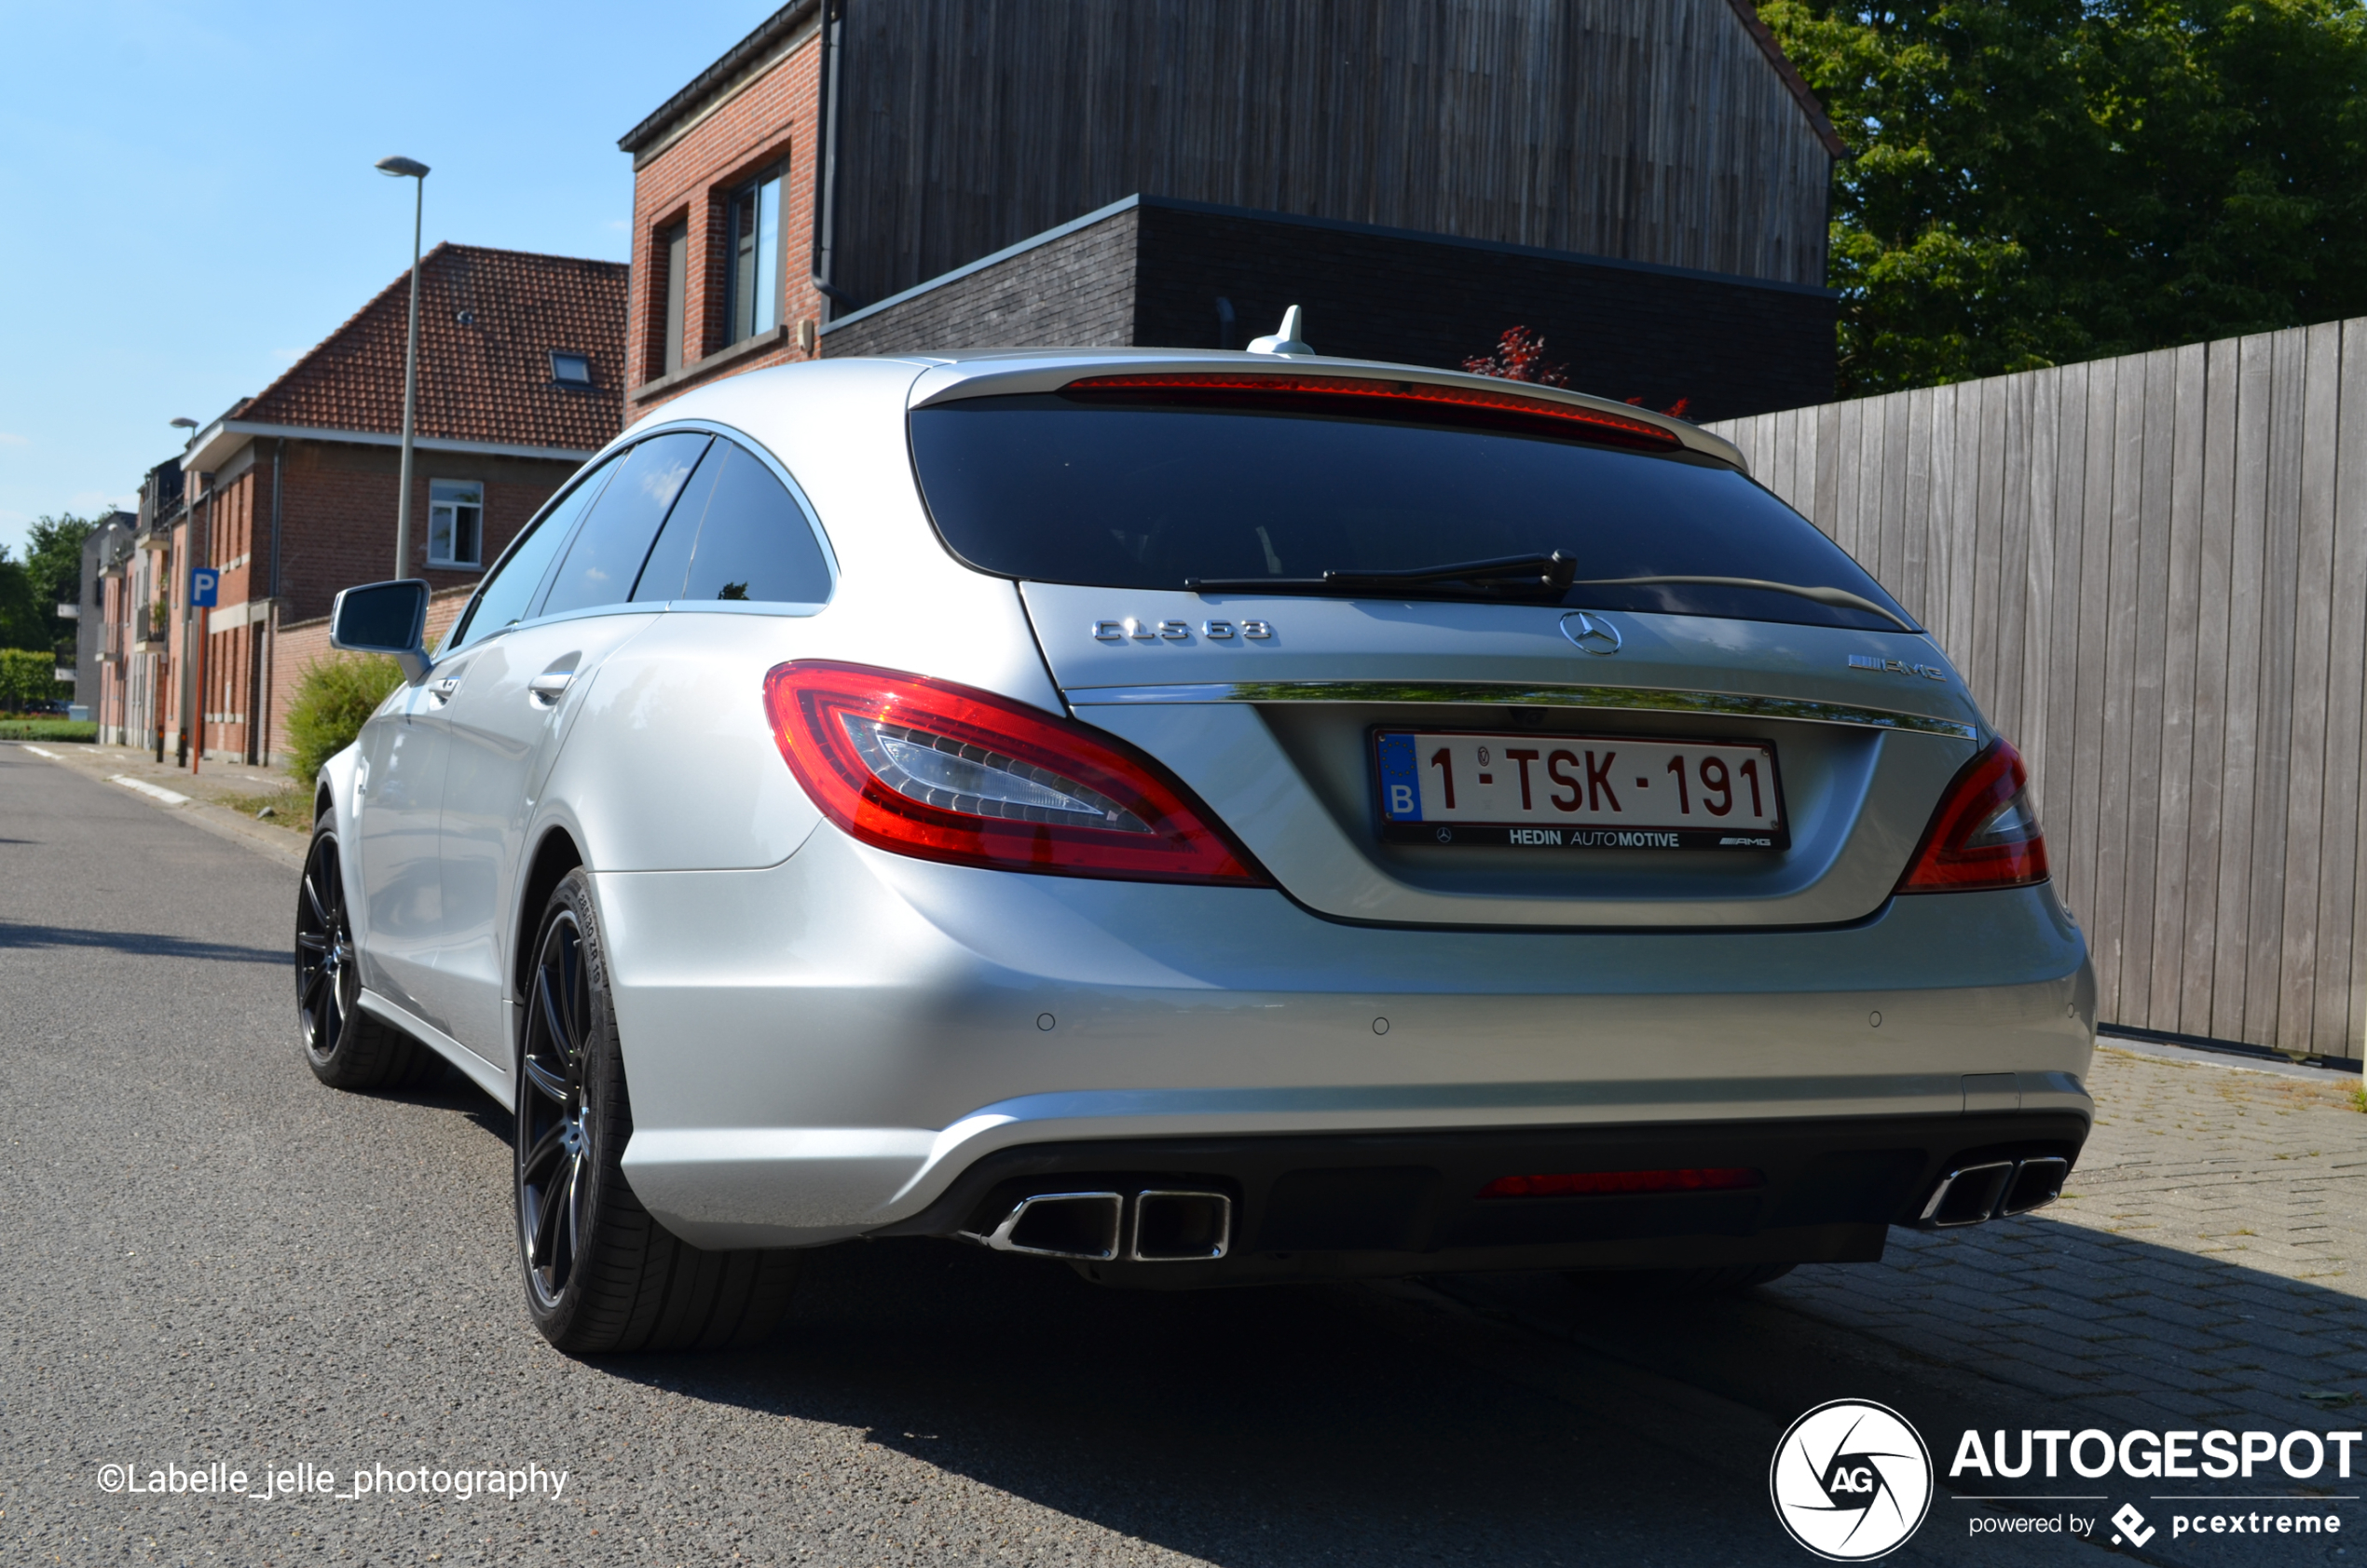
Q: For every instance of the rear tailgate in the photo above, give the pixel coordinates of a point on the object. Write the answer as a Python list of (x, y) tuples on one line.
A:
[(1272, 708)]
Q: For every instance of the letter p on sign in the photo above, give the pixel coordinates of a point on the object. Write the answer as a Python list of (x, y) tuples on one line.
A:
[(203, 582)]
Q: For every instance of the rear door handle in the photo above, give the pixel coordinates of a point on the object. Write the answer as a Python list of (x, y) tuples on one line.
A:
[(547, 687)]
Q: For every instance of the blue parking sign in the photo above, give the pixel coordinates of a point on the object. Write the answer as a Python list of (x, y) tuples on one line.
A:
[(203, 582)]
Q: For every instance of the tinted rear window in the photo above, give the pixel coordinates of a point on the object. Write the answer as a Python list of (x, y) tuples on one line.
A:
[(735, 534), (1136, 493)]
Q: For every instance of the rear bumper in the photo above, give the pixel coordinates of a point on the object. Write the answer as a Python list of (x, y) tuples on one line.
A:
[(826, 1048), (1393, 1204)]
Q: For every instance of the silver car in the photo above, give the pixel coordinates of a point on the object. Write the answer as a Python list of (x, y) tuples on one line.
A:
[(1210, 818)]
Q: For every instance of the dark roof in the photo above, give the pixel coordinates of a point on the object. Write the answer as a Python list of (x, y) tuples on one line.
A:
[(486, 379), (1819, 121), (719, 75)]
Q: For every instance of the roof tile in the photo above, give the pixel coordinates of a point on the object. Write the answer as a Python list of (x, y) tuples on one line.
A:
[(486, 379)]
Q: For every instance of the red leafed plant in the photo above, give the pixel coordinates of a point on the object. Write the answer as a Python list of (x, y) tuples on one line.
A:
[(1520, 355)]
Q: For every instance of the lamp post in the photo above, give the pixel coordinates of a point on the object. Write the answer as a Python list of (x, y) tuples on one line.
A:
[(157, 686), (408, 169)]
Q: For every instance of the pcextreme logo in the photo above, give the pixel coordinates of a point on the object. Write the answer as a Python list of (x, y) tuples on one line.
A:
[(1850, 1481)]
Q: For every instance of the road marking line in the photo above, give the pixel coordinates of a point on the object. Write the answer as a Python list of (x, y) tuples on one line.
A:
[(171, 797), (38, 752)]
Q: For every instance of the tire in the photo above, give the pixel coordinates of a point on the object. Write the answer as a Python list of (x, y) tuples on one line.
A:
[(344, 1046), (1662, 1285), (601, 1275)]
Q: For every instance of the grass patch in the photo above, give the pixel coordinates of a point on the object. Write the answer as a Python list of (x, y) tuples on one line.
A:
[(49, 730), (290, 806)]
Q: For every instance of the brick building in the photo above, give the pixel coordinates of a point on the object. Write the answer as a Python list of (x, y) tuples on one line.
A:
[(291, 495), (1643, 182)]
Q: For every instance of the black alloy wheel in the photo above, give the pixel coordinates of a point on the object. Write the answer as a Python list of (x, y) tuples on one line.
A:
[(327, 979), (558, 1143), (601, 1274), (346, 1047)]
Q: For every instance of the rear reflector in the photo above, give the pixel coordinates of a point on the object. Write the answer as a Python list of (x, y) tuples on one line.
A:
[(1588, 1183), (1985, 833), (926, 767), (1592, 423)]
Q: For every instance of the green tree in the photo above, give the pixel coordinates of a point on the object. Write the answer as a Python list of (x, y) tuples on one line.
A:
[(2037, 181), (21, 623), (31, 590)]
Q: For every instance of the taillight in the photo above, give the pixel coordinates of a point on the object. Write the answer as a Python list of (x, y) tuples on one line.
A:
[(1595, 422), (927, 768), (1985, 834)]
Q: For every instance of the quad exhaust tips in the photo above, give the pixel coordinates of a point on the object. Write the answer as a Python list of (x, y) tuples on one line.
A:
[(1168, 1226), (1994, 1189)]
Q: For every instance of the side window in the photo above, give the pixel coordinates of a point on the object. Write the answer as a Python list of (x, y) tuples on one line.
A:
[(675, 243), (752, 258), (738, 534), (605, 560), (456, 521), (504, 599)]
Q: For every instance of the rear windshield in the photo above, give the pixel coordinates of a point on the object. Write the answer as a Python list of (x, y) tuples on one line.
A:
[(1149, 492)]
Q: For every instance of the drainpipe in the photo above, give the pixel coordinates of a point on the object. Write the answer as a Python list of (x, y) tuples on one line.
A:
[(826, 176)]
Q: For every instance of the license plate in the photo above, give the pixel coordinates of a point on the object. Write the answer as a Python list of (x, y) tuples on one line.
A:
[(1577, 792)]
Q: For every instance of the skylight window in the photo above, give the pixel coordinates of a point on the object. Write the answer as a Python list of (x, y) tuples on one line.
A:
[(570, 369)]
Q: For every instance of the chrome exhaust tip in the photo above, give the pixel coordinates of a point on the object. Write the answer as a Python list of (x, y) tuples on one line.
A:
[(2037, 1183), (1967, 1196), (1080, 1225), (1176, 1227)]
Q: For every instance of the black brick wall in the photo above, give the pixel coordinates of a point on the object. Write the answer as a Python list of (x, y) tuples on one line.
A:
[(1732, 347), (1076, 292), (1152, 275)]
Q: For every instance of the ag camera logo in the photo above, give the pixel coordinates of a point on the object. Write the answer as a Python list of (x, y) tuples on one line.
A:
[(1852, 1480)]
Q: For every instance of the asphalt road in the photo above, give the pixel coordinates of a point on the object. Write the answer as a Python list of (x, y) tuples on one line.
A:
[(210, 1257)]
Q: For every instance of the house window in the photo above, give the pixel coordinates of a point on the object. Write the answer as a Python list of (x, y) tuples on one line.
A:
[(569, 368), (752, 256), (456, 521), (674, 245)]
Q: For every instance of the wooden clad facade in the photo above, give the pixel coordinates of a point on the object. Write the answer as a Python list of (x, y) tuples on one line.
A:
[(2153, 572), (1665, 131)]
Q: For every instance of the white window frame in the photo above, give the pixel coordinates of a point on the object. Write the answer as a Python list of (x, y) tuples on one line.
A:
[(446, 500)]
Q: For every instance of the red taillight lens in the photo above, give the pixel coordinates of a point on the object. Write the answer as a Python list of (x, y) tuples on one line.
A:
[(1985, 834), (1599, 1183), (927, 768)]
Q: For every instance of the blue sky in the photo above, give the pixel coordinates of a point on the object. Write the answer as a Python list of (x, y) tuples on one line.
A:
[(191, 202)]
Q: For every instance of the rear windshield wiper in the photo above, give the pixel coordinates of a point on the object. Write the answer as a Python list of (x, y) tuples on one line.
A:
[(1541, 574), (1840, 598)]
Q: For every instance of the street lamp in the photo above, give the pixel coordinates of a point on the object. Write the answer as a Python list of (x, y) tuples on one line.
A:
[(408, 169), (155, 687)]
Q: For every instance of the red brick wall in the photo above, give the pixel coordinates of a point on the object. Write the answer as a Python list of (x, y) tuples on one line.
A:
[(771, 117), (337, 524), (336, 530)]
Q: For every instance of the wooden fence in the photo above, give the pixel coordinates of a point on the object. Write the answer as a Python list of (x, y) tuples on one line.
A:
[(2153, 571)]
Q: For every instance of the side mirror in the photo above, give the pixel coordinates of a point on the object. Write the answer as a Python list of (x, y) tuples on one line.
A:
[(384, 618)]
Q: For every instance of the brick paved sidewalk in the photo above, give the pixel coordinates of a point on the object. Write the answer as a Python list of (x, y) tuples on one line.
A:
[(2208, 1263)]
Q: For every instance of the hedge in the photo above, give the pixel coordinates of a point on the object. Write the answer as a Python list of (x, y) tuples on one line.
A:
[(333, 698), (27, 678)]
